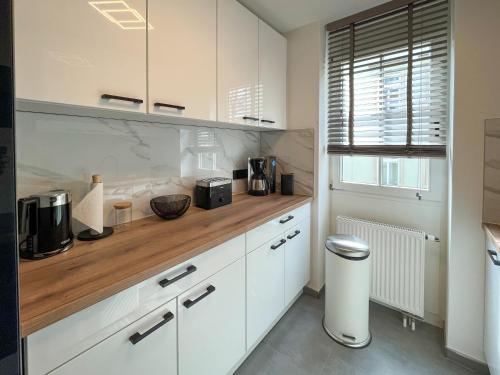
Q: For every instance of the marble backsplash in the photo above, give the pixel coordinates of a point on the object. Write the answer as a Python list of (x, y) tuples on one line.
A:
[(141, 160), (137, 160), (491, 185), (294, 151)]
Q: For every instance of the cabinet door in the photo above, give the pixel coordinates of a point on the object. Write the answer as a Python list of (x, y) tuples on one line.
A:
[(75, 51), (272, 77), (154, 350), (265, 287), (237, 63), (492, 311), (212, 323), (182, 58), (297, 251)]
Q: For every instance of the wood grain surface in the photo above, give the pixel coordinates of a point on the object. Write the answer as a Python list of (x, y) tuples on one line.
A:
[(54, 288)]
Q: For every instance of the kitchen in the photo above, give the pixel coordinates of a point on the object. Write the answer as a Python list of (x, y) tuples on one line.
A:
[(221, 205)]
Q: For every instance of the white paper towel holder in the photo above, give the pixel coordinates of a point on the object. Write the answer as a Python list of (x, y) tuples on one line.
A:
[(93, 234)]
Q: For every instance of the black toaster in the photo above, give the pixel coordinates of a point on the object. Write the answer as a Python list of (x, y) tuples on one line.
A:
[(213, 192)]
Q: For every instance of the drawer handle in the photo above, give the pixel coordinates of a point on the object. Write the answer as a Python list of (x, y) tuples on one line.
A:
[(124, 98), (274, 247), (493, 256), (166, 282), (268, 121), (250, 118), (189, 303), (178, 107), (290, 236), (283, 221), (136, 337)]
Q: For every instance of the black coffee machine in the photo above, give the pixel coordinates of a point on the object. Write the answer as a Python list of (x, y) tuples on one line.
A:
[(258, 181), (45, 220)]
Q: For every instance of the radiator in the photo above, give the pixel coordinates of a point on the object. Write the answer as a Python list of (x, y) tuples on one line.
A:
[(397, 263)]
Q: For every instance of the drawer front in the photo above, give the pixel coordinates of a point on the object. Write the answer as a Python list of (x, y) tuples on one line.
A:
[(260, 235), (61, 341), (148, 346), (212, 323), (265, 287)]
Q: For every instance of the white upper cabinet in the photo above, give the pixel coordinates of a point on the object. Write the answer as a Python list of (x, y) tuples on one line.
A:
[(182, 58), (272, 77), (237, 64), (76, 51)]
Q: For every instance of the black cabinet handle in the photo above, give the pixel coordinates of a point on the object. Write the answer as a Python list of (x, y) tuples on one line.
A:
[(268, 121), (136, 337), (283, 221), (166, 282), (124, 98), (274, 247), (493, 255), (178, 107), (290, 236), (190, 303), (250, 118)]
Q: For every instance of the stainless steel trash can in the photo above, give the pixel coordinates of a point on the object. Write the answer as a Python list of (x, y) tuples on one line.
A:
[(347, 290)]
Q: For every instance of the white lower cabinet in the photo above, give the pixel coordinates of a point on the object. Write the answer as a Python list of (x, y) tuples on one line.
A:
[(148, 346), (225, 300), (492, 309), (265, 287), (212, 323), (296, 260)]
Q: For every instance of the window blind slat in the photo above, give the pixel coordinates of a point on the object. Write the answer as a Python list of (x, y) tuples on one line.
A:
[(373, 68)]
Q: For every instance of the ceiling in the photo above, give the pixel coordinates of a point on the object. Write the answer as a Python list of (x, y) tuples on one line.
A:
[(286, 15)]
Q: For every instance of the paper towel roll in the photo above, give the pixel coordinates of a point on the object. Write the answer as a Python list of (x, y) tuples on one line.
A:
[(90, 209)]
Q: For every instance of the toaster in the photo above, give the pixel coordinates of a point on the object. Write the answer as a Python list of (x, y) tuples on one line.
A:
[(213, 192)]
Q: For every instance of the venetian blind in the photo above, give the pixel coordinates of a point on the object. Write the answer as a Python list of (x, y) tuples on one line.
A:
[(388, 83)]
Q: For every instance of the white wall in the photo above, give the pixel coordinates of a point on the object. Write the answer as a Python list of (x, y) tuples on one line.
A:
[(477, 97), (305, 63)]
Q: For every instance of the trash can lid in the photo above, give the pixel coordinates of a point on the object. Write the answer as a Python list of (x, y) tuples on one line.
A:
[(348, 245)]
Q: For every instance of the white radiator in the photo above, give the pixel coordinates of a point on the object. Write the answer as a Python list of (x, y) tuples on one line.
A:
[(397, 263)]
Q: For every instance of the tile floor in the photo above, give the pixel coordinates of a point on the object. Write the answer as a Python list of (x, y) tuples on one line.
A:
[(297, 345)]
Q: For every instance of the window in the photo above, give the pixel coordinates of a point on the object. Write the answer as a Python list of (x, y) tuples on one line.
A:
[(386, 171), (388, 84)]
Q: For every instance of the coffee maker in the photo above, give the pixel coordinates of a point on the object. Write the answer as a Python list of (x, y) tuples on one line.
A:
[(45, 221), (258, 182)]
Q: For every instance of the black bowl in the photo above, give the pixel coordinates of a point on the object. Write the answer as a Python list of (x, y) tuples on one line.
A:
[(170, 207)]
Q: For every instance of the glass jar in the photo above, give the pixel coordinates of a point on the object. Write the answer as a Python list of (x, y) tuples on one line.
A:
[(123, 214)]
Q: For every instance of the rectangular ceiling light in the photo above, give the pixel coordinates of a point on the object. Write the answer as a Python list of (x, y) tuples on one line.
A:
[(121, 14)]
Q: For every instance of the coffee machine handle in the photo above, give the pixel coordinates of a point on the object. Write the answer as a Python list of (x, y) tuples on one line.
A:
[(28, 210)]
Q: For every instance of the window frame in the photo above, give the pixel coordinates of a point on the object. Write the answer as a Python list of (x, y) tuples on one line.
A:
[(437, 172)]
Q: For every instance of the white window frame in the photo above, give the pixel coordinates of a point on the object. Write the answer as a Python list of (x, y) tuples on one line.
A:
[(437, 178)]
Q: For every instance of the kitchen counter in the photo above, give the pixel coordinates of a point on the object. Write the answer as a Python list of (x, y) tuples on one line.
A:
[(493, 231), (56, 287)]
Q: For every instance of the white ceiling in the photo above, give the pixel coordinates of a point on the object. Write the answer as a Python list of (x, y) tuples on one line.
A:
[(286, 15)]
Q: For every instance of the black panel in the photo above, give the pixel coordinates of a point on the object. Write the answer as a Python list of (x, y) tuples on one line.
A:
[(9, 316)]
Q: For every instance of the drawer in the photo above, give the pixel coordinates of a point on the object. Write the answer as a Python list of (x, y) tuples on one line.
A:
[(54, 345), (147, 346), (266, 232)]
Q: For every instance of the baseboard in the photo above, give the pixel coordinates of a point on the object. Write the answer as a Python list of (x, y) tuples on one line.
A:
[(471, 364), (312, 292)]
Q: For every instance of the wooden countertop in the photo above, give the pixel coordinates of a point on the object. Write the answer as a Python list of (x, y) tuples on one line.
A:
[(493, 231), (56, 287)]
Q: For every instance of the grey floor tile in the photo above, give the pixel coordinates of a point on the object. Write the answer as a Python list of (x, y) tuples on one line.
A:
[(298, 345), (267, 361)]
